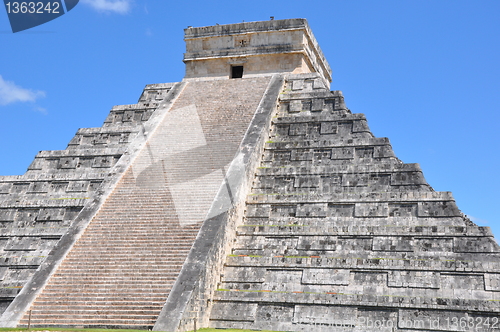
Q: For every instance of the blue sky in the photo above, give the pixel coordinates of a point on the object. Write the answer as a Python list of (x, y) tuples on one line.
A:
[(425, 73)]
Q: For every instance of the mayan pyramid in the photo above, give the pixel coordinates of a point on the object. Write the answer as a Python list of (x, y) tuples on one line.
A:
[(246, 196)]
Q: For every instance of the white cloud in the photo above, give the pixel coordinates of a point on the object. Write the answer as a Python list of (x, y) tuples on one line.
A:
[(115, 6), (11, 93), (41, 110)]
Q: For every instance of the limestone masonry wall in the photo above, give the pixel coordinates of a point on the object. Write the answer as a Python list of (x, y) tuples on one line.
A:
[(38, 208), (339, 234), (120, 271)]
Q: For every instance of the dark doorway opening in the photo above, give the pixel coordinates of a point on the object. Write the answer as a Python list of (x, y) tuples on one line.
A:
[(236, 71)]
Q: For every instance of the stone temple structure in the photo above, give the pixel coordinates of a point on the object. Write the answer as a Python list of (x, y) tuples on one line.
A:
[(246, 196)]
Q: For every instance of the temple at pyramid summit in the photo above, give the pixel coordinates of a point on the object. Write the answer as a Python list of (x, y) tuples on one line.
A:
[(245, 196)]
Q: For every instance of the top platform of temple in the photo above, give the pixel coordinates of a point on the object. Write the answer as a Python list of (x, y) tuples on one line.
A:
[(253, 49)]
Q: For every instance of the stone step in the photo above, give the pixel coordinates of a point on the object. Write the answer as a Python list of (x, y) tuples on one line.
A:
[(100, 306), (148, 301), (113, 277), (131, 287), (124, 252), (87, 284), (125, 268), (141, 230), (103, 297), (96, 239), (132, 251), (93, 317), (111, 262), (75, 311), (89, 322)]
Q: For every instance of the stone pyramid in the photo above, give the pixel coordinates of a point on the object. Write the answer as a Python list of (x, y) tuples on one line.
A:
[(245, 196)]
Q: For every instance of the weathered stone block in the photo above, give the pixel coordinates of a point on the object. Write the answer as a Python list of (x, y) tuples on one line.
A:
[(307, 182), (433, 244), (302, 155), (328, 128), (234, 311), (371, 210), (297, 85), (355, 180), (475, 244), (343, 153), (280, 211), (330, 183), (57, 187), (492, 282), (297, 129), (285, 182), (340, 210), (20, 187), (282, 280), (311, 210), (243, 274), (269, 313), (39, 187), (383, 151), (393, 243), (318, 243), (403, 210), (438, 209), (364, 152), (51, 214), (27, 215), (462, 281), (281, 243), (7, 215), (326, 277), (345, 127), (317, 105), (68, 162), (77, 186), (103, 161), (407, 178), (327, 315), (22, 244), (320, 155), (295, 106), (282, 155), (413, 279)]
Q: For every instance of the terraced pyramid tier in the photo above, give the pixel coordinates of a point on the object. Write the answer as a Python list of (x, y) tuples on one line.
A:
[(340, 235), (120, 271)]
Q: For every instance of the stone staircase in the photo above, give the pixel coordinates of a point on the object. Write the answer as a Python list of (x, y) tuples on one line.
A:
[(339, 234), (120, 271), (39, 207)]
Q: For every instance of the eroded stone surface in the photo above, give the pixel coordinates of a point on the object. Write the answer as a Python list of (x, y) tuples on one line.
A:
[(343, 235)]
